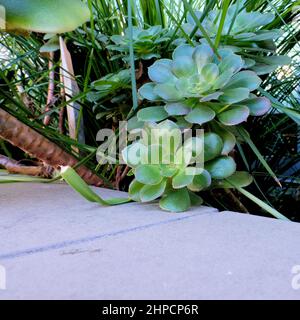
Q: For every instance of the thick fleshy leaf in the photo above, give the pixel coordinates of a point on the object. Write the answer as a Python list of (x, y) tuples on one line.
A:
[(203, 54), (239, 178), (227, 137), (177, 108), (222, 80), (182, 123), (134, 190), (263, 35), (167, 134), (134, 124), (231, 63), (183, 85), (249, 63), (221, 168), (147, 92), (152, 192), (134, 154), (183, 67), (212, 96), (261, 68), (258, 106), (195, 145), (51, 45), (167, 170), (167, 91), (183, 51), (148, 174), (210, 72), (176, 201), (251, 20), (160, 73), (200, 182), (47, 16), (276, 60), (244, 79), (213, 146), (195, 199), (152, 114), (231, 96), (200, 114), (182, 179), (234, 115)]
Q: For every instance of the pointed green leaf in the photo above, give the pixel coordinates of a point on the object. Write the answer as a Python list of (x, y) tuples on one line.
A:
[(80, 186)]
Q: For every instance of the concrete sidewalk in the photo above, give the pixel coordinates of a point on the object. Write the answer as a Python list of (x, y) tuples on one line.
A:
[(55, 245)]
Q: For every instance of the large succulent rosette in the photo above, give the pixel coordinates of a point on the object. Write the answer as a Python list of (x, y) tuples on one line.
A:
[(200, 86)]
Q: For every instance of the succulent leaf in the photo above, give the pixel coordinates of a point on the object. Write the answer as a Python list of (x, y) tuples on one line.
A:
[(152, 192), (221, 168), (176, 201)]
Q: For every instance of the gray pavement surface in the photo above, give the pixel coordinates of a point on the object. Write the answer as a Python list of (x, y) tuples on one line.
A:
[(55, 245)]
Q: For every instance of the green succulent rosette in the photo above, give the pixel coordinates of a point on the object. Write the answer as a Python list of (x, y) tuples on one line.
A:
[(244, 32), (199, 86), (174, 172), (147, 43)]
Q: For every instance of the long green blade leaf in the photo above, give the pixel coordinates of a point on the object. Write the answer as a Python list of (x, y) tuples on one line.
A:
[(75, 181), (262, 204), (244, 134)]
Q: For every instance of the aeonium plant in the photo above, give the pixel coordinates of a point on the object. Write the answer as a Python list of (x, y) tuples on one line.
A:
[(200, 86), (147, 43), (246, 32), (173, 169)]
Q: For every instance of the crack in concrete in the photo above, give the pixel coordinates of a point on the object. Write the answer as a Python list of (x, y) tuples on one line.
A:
[(68, 243)]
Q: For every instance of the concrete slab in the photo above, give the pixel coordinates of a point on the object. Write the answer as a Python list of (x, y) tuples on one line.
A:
[(54, 245)]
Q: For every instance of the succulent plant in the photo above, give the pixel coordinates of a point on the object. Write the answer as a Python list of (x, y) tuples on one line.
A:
[(200, 86), (109, 85), (176, 171), (239, 24), (146, 43), (244, 32)]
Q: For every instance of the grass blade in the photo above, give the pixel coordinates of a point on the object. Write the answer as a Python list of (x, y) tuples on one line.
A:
[(262, 204), (244, 134), (74, 180)]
